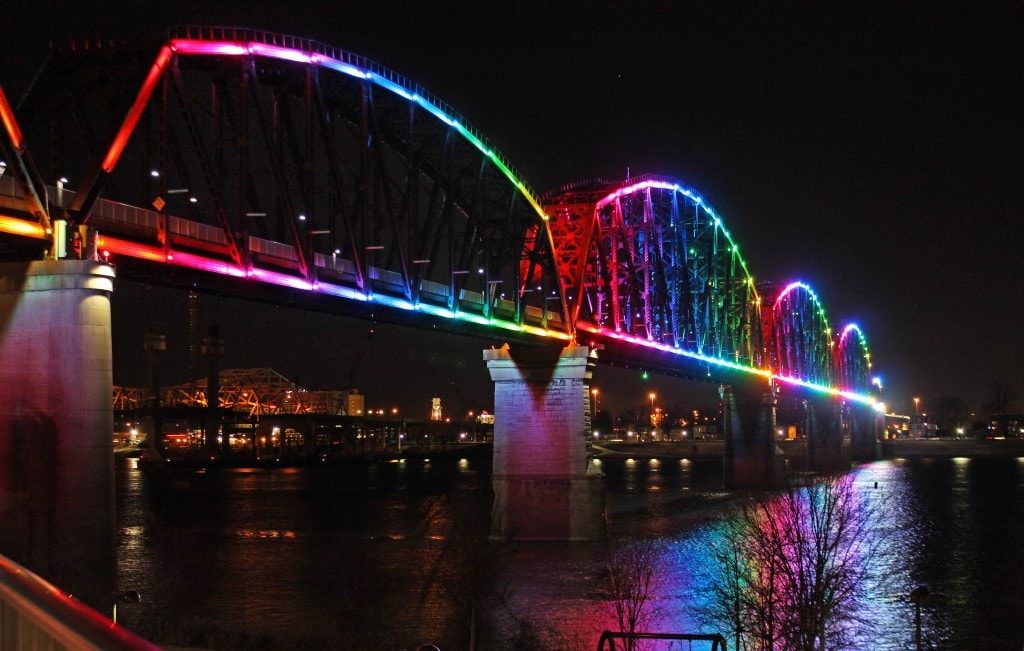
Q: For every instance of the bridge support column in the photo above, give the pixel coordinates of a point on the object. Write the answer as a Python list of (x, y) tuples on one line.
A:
[(752, 460), (545, 488), (56, 423), (825, 436), (866, 426)]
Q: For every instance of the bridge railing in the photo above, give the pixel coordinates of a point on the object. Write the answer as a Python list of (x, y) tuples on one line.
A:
[(608, 638), (249, 35), (36, 615), (144, 222)]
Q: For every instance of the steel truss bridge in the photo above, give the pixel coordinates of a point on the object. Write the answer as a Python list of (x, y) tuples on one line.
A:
[(252, 391), (281, 169)]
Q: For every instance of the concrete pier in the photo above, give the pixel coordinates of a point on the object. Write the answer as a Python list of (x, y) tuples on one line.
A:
[(545, 488), (56, 423), (752, 460), (866, 427), (825, 451)]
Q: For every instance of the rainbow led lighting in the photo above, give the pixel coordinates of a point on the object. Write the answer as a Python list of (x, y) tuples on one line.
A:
[(690, 194), (819, 308), (862, 341), (197, 47), (156, 254), (119, 246)]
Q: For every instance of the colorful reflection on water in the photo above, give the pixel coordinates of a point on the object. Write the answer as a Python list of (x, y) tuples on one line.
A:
[(278, 554)]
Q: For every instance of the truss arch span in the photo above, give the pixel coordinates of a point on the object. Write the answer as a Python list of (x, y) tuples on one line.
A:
[(853, 360), (649, 258), (800, 339)]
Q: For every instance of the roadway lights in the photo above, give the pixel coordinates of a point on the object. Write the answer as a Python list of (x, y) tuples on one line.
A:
[(154, 173)]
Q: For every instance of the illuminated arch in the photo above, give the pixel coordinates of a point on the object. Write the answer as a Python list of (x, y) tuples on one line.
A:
[(853, 360), (324, 164), (648, 258), (799, 336)]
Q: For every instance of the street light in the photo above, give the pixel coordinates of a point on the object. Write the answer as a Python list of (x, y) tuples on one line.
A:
[(917, 406), (594, 393), (652, 396)]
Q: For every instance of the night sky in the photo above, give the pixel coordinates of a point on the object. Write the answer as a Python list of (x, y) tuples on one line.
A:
[(875, 153)]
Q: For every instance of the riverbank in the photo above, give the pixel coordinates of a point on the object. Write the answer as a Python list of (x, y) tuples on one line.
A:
[(796, 453), (913, 448)]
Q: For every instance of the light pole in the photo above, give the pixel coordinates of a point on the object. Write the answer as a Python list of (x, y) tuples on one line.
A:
[(917, 406), (594, 392), (652, 396)]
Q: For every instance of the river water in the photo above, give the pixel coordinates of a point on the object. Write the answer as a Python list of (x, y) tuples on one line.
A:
[(378, 555)]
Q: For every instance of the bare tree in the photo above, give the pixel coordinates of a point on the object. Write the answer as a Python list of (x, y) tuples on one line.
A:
[(631, 576), (792, 567)]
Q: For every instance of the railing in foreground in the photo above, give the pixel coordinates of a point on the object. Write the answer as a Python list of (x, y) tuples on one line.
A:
[(34, 614), (609, 637)]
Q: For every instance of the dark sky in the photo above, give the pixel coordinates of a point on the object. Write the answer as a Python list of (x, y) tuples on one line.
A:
[(875, 153)]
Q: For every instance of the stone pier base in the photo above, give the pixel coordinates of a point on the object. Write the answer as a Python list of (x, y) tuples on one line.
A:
[(56, 423), (545, 488)]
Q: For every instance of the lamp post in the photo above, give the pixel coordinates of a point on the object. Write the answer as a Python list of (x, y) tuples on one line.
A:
[(594, 393), (917, 406), (652, 396)]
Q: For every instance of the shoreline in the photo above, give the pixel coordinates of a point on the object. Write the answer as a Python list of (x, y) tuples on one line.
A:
[(895, 449)]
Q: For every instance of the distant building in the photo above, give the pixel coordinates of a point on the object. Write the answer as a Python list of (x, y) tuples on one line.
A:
[(1008, 425), (485, 419), (435, 410), (354, 403), (921, 427)]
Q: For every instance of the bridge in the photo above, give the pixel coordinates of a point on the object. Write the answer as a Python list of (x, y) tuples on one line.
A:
[(280, 169)]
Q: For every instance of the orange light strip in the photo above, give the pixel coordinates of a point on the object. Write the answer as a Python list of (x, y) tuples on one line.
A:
[(24, 228), (135, 112), (10, 124)]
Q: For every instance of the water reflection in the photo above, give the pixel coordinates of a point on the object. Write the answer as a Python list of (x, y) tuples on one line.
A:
[(290, 555)]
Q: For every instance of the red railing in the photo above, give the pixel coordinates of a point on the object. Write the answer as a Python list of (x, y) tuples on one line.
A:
[(35, 614)]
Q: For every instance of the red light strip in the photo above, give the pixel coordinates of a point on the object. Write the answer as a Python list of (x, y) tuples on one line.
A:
[(135, 112)]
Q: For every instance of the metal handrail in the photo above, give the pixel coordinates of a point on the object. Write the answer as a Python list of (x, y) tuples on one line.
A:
[(47, 617), (717, 641)]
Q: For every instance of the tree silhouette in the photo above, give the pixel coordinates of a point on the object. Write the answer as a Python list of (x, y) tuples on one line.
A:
[(792, 567)]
